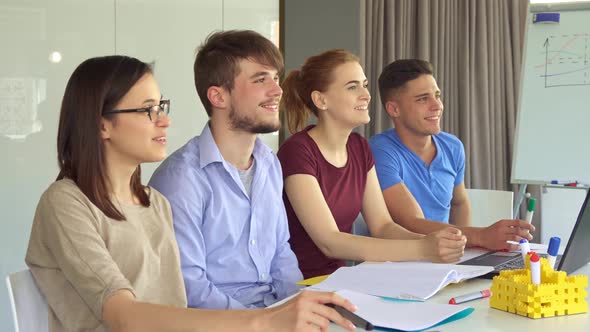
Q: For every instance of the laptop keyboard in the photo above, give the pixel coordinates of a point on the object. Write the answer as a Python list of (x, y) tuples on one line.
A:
[(516, 263)]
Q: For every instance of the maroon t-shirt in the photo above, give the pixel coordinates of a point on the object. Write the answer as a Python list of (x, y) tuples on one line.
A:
[(343, 189)]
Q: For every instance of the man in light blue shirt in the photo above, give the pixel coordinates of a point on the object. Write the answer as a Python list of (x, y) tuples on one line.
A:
[(225, 186), (420, 168)]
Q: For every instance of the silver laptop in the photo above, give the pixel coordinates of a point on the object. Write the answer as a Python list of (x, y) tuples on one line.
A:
[(576, 254)]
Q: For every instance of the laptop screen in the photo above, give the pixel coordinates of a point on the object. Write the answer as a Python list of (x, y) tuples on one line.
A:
[(577, 252)]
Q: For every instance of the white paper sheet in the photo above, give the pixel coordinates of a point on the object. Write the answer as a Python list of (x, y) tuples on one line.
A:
[(407, 316), (407, 280)]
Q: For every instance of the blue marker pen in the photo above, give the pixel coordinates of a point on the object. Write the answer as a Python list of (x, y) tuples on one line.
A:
[(552, 250), (557, 182)]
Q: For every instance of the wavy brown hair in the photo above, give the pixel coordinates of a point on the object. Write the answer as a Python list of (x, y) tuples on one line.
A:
[(218, 59), (96, 85)]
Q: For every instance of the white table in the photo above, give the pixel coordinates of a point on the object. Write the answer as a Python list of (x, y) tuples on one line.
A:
[(487, 319)]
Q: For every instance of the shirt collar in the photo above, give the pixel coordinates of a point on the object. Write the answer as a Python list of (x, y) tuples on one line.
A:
[(209, 152)]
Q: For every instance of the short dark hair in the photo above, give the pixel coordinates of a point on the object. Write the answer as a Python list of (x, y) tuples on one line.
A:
[(96, 85), (396, 74), (217, 62)]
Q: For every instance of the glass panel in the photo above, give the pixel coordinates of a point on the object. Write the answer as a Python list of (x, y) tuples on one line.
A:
[(43, 42), (171, 44), (261, 16)]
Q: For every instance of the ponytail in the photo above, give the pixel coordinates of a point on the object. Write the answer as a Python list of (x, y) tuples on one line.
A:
[(314, 75), (296, 111)]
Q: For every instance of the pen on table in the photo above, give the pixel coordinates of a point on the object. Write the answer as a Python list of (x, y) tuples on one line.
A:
[(471, 296), (552, 250), (352, 317)]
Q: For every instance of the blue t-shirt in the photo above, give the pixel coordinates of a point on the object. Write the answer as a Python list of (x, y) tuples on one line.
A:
[(431, 186)]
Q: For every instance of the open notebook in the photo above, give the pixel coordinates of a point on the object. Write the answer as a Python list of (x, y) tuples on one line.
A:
[(406, 280), (403, 315)]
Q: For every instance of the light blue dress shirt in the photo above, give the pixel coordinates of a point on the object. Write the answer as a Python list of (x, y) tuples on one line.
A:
[(234, 248)]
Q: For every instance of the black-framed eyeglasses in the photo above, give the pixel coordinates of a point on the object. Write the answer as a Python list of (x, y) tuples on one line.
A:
[(154, 112)]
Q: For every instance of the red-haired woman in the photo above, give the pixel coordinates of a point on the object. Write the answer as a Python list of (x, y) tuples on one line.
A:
[(330, 175)]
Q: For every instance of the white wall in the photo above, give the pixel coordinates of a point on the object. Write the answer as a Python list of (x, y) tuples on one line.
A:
[(31, 87)]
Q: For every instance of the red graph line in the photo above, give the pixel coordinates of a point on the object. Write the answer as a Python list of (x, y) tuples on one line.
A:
[(565, 45)]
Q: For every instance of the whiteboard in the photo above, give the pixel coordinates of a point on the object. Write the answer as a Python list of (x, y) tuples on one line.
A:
[(553, 124)]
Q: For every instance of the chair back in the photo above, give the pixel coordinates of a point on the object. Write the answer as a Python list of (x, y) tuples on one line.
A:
[(29, 308), (489, 206), (360, 227)]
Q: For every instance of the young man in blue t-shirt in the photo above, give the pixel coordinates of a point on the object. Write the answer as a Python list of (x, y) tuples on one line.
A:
[(420, 168)]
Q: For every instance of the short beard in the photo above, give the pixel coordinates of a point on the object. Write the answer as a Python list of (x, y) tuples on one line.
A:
[(249, 125)]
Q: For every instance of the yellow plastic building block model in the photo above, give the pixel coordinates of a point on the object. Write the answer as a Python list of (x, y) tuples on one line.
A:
[(557, 294)]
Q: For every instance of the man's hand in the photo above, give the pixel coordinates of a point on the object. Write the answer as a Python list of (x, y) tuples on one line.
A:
[(308, 312), (445, 246), (494, 237)]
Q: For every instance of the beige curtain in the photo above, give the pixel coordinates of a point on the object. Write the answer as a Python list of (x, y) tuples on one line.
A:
[(475, 47)]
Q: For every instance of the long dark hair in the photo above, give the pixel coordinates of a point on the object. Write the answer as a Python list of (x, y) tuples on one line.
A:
[(96, 85)]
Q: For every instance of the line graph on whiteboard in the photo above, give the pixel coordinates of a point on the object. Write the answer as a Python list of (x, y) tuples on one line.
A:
[(566, 60)]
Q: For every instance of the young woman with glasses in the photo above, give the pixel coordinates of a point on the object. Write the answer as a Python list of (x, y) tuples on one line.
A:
[(102, 247)]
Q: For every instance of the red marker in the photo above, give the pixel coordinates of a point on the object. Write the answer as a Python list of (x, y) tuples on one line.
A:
[(471, 296), (535, 269)]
